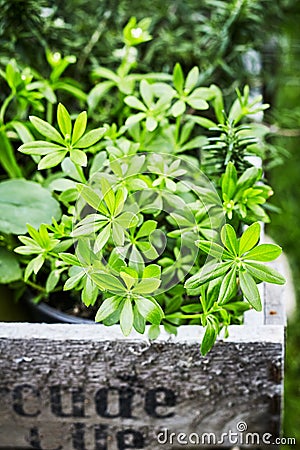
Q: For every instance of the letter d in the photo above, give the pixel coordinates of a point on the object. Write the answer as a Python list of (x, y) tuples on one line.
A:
[(162, 437)]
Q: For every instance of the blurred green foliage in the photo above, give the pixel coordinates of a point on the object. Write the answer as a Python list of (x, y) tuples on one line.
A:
[(215, 36), (285, 226)]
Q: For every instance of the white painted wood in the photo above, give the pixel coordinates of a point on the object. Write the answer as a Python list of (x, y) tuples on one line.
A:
[(87, 387)]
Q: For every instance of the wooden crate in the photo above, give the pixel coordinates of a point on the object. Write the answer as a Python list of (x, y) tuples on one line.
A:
[(86, 387)]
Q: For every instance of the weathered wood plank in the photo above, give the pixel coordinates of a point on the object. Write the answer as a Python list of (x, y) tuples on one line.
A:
[(82, 387)]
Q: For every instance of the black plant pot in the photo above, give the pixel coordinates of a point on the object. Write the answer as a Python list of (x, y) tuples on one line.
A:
[(41, 312)]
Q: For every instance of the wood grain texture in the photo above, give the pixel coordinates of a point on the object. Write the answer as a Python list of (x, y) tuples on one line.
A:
[(83, 387), (95, 393)]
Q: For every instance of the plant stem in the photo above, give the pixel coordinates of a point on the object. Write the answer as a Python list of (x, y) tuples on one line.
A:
[(49, 112), (35, 286), (5, 106), (177, 129)]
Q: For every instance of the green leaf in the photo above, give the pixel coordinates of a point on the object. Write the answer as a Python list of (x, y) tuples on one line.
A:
[(203, 122), (78, 157), (129, 276), (146, 93), (192, 79), (102, 238), (70, 259), (178, 108), (264, 273), (178, 78), (152, 271), (139, 322), (229, 239), (264, 252), (39, 148), (64, 121), (146, 229), (250, 290), (79, 127), (135, 103), (154, 332), (209, 272), (249, 238), (47, 130), (126, 317), (9, 267), (213, 249), (90, 196), (22, 131), (98, 92), (108, 195), (52, 280), (7, 157), (23, 202), (108, 307), (228, 286), (151, 123), (147, 286), (149, 309), (132, 120), (209, 338), (74, 280), (229, 181), (90, 138), (197, 103), (127, 219), (90, 292), (107, 282), (51, 160)]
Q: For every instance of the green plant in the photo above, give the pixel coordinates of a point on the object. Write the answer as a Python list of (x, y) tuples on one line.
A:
[(136, 218)]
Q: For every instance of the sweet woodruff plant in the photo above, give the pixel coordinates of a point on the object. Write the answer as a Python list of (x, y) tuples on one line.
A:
[(150, 218)]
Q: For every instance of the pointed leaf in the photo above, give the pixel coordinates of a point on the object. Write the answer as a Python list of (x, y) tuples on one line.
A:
[(213, 249), (149, 309), (265, 273), (229, 181), (146, 229), (107, 282), (209, 272), (90, 292), (102, 238), (51, 160), (249, 238), (178, 78), (89, 195), (90, 138), (146, 93), (126, 317), (192, 79), (229, 239), (135, 103), (250, 290), (64, 120), (264, 252), (78, 157), (79, 127), (147, 286), (209, 338), (228, 286), (45, 129), (39, 148), (108, 307)]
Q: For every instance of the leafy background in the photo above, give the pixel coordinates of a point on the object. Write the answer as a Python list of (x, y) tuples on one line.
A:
[(219, 31)]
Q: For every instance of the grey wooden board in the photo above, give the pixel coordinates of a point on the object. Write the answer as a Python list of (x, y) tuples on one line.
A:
[(60, 383)]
